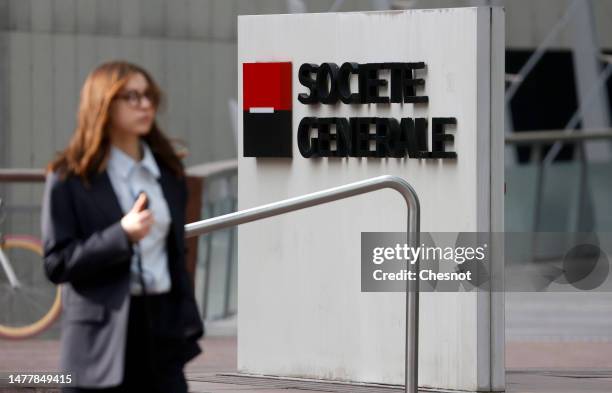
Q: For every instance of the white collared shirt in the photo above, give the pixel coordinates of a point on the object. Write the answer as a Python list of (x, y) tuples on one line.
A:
[(129, 178)]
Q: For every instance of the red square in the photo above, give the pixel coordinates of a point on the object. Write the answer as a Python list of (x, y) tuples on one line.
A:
[(266, 85)]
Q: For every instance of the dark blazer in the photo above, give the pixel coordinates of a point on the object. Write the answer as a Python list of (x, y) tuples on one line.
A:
[(86, 249)]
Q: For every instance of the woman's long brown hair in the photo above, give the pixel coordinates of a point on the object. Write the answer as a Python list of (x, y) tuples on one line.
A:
[(88, 149)]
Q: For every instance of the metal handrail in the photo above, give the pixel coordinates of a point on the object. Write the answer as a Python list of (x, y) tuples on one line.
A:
[(207, 170), (213, 169), (331, 195), (544, 137), (222, 174), (22, 175)]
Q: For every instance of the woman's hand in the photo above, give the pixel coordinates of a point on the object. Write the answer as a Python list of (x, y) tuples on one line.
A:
[(138, 221)]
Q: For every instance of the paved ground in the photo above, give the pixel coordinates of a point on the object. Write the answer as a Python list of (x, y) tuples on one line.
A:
[(559, 316), (552, 367)]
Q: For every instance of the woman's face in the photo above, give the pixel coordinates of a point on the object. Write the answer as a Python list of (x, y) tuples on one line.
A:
[(133, 110)]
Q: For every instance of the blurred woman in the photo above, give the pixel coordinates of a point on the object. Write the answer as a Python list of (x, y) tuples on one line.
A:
[(113, 232)]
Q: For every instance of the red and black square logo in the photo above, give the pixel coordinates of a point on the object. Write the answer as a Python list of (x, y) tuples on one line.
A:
[(266, 100)]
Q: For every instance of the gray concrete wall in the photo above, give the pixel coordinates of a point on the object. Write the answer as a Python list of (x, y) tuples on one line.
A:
[(189, 46)]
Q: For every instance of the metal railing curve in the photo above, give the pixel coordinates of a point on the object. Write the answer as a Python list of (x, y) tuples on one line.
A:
[(330, 195)]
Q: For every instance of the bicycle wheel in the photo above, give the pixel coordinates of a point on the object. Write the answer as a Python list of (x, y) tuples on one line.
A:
[(32, 307)]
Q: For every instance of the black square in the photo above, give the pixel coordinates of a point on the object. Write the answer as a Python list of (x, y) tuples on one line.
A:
[(267, 134)]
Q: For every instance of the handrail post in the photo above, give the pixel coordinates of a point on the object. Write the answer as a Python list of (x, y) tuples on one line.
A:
[(330, 195), (412, 318)]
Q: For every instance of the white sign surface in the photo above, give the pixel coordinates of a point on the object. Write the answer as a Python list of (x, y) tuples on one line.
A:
[(301, 311)]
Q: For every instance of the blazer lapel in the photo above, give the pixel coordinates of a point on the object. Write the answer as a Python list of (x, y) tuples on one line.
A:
[(106, 200), (169, 190)]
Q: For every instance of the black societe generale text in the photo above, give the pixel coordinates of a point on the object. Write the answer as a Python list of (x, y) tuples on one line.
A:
[(328, 83)]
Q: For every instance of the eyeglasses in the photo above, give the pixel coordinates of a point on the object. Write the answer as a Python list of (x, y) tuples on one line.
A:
[(134, 98)]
